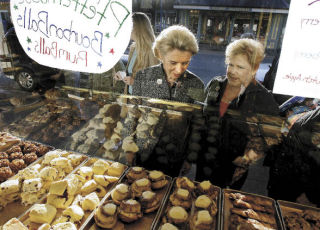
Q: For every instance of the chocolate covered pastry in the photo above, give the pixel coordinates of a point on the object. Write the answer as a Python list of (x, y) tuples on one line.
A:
[(17, 164), (3, 155), (15, 155), (30, 157), (5, 173), (4, 163)]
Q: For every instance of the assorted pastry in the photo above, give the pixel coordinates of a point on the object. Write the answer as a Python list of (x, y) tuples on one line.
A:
[(191, 205), (19, 156), (251, 212), (302, 219), (31, 183), (131, 199)]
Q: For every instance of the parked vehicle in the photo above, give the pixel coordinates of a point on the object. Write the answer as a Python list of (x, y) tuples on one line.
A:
[(28, 73)]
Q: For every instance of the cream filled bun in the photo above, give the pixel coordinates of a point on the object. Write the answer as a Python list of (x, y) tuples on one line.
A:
[(106, 215), (177, 215), (120, 192), (140, 185), (130, 210), (168, 226), (149, 201), (202, 220), (185, 183), (181, 197), (158, 179), (136, 173)]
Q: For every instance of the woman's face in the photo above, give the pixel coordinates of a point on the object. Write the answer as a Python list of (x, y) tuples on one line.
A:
[(175, 63), (239, 71)]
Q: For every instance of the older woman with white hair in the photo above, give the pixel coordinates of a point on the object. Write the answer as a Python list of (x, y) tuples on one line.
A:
[(171, 80)]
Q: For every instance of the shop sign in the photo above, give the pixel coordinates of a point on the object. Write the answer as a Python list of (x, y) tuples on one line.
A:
[(298, 71), (77, 35)]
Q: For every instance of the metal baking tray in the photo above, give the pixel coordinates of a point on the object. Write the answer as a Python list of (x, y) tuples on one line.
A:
[(16, 208), (147, 220), (227, 205), (158, 220), (286, 206)]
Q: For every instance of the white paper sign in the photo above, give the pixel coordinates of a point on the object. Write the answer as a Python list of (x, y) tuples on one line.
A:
[(78, 35), (299, 65)]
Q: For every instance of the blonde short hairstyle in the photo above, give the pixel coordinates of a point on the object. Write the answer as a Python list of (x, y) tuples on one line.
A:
[(252, 49), (175, 37)]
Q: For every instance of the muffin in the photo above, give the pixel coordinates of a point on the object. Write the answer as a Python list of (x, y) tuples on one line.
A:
[(158, 179), (149, 201), (130, 210)]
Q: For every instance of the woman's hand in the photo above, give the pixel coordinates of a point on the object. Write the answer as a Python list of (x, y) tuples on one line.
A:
[(119, 76), (128, 80)]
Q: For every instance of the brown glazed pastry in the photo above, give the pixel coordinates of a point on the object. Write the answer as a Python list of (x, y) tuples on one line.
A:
[(178, 216), (5, 173), (30, 157), (130, 210), (206, 188), (106, 215), (3, 155), (136, 173), (158, 179), (139, 186), (120, 192), (185, 183), (17, 165), (149, 201), (29, 147), (181, 197), (16, 155), (202, 220), (204, 202), (14, 149), (4, 163), (42, 150)]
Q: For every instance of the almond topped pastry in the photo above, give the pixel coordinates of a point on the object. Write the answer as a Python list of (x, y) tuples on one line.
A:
[(202, 220), (136, 173), (158, 179), (149, 201), (186, 183), (181, 197), (177, 215), (139, 186), (130, 210)]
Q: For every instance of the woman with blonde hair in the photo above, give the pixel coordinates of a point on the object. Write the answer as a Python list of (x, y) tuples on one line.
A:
[(237, 145), (140, 55), (171, 80)]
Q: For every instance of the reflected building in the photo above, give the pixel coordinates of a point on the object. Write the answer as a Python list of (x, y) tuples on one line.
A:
[(219, 22)]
